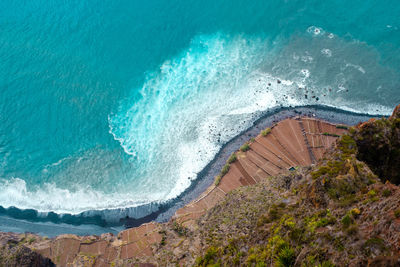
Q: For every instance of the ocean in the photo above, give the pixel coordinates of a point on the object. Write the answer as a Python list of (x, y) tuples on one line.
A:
[(111, 108)]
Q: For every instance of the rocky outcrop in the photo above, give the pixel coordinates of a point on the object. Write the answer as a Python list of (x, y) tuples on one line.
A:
[(378, 143)]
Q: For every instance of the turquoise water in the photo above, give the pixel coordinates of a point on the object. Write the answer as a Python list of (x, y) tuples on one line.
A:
[(114, 105)]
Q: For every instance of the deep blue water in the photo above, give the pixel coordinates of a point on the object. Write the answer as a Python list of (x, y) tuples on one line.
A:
[(118, 104)]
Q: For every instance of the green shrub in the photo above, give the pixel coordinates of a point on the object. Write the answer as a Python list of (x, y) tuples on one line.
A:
[(332, 169), (338, 243), (162, 242), (331, 134), (375, 242), (256, 257), (324, 222), (386, 192), (352, 229), (224, 170), (273, 214), (326, 264), (297, 234), (275, 211), (397, 213), (209, 258), (352, 130), (232, 158), (347, 145), (342, 127), (347, 221), (286, 257), (179, 229), (319, 219), (371, 193), (217, 180), (265, 132), (245, 147)]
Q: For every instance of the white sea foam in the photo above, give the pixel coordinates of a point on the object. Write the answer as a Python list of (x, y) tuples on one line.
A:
[(48, 197), (305, 72), (327, 52), (316, 31), (357, 67), (203, 98)]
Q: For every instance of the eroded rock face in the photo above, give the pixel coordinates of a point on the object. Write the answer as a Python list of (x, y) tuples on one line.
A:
[(13, 252), (378, 143)]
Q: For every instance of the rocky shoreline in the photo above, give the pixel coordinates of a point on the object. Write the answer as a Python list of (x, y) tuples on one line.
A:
[(86, 225), (207, 175)]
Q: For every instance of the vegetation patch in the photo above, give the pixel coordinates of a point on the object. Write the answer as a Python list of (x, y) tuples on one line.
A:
[(342, 127), (232, 158), (217, 180), (286, 257), (163, 234), (347, 221), (266, 132), (352, 229), (224, 170), (320, 219), (179, 229), (397, 213), (245, 147), (210, 258), (331, 134), (275, 212), (374, 244), (386, 192)]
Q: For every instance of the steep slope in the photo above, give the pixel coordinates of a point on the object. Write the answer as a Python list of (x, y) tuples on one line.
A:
[(337, 213)]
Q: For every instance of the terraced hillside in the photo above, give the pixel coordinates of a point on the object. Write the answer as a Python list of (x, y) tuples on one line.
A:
[(290, 143)]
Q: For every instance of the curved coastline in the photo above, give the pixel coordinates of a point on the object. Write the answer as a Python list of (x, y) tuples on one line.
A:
[(102, 221)]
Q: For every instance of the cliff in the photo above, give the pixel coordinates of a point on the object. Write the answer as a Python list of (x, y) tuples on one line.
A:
[(303, 193), (335, 213)]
